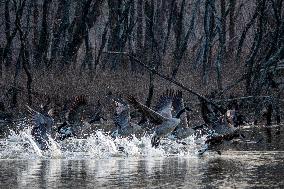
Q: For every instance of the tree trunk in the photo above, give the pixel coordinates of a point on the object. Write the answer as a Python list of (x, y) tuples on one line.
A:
[(60, 27), (88, 16), (232, 22), (8, 54), (209, 26), (139, 33), (222, 47), (255, 48), (182, 37), (149, 46), (115, 12), (103, 43), (42, 46), (35, 38)]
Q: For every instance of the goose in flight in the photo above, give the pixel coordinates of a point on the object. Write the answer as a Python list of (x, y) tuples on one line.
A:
[(41, 130), (223, 129), (221, 121), (77, 124), (122, 121), (68, 128), (97, 116), (162, 117), (182, 130), (224, 124)]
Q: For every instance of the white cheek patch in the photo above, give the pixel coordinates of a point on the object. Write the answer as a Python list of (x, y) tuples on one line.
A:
[(231, 116), (228, 113), (119, 107)]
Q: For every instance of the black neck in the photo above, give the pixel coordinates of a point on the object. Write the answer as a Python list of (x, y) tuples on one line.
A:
[(180, 112)]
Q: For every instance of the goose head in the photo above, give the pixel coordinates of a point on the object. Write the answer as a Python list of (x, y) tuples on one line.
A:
[(231, 117)]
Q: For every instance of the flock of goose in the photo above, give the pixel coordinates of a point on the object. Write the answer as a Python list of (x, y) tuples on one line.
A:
[(166, 119)]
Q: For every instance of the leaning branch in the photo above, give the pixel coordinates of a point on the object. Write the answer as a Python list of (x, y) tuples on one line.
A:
[(168, 79), (244, 98), (230, 86)]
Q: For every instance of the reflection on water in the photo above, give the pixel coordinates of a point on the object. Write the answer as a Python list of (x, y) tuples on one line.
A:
[(233, 169), (255, 162)]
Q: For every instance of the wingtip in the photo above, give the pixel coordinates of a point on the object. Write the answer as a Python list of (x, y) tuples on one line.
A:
[(29, 108)]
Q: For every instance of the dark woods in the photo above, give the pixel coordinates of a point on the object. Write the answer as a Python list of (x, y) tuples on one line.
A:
[(57, 49)]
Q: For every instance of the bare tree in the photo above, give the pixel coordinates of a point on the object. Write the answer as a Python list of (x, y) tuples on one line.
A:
[(181, 34), (43, 44), (59, 30), (255, 47), (232, 27), (209, 31), (86, 19), (121, 27)]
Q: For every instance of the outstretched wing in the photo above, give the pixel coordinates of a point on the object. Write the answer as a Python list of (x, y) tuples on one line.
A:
[(155, 117), (122, 115), (178, 105), (74, 110), (41, 121), (165, 104), (37, 117), (208, 112), (96, 113)]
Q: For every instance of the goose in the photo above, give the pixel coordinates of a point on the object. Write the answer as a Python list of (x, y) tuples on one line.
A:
[(219, 123), (209, 113), (125, 127), (222, 130), (97, 116), (76, 125), (43, 123), (162, 117), (68, 128), (225, 124), (233, 113), (182, 130)]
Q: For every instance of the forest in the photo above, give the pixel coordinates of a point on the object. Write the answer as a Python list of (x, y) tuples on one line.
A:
[(216, 50), (141, 94)]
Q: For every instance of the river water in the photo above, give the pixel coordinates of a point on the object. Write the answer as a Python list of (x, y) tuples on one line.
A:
[(101, 162)]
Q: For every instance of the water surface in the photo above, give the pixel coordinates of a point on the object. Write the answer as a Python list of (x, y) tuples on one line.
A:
[(99, 162), (234, 169)]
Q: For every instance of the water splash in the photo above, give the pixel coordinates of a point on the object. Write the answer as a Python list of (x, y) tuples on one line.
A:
[(99, 145)]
